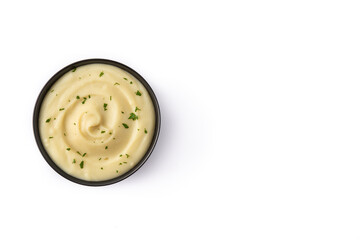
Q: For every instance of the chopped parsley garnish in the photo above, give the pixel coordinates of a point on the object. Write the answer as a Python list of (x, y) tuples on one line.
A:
[(117, 171), (52, 90), (125, 125), (74, 123), (84, 154), (116, 83), (68, 149), (110, 133), (138, 93), (125, 79), (102, 131), (99, 159), (105, 106), (51, 137), (48, 120), (133, 116), (145, 131), (122, 112), (65, 134), (130, 82), (120, 155), (102, 168), (82, 164), (127, 155), (74, 160), (110, 98), (136, 109), (74, 69), (120, 163), (61, 109), (84, 100), (78, 97), (101, 74), (78, 153), (125, 162), (89, 96), (106, 147)]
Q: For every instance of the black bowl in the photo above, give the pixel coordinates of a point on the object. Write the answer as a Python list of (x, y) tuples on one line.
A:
[(47, 87)]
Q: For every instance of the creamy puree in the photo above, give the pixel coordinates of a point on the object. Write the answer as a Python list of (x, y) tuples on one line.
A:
[(97, 122)]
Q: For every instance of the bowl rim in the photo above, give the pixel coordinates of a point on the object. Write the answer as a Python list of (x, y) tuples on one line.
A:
[(56, 77)]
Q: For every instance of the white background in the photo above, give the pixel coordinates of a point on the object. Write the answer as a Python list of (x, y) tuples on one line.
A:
[(260, 119)]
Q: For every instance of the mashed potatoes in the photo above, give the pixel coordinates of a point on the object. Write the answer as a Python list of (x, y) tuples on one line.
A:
[(97, 122)]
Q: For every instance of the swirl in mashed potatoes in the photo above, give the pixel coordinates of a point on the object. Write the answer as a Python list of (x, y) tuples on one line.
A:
[(97, 122)]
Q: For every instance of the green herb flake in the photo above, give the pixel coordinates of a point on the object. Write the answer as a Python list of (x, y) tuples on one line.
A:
[(74, 123), (145, 131), (84, 155), (117, 171), (82, 164), (102, 131), (101, 74), (138, 129), (99, 159), (120, 155), (110, 98), (131, 82), (125, 79), (51, 137), (89, 96), (125, 162), (110, 133), (127, 155), (120, 163), (105, 106), (138, 93), (52, 90), (78, 97), (68, 149), (48, 120), (61, 109), (122, 112), (133, 116), (78, 153), (116, 83), (125, 125), (106, 147), (74, 69), (74, 160), (65, 134), (102, 168), (83, 102), (137, 109)]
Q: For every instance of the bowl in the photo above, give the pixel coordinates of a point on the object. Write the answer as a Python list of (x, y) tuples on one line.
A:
[(47, 87)]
